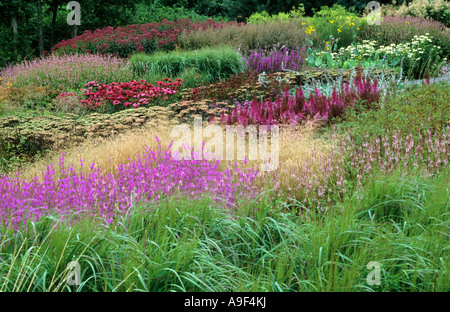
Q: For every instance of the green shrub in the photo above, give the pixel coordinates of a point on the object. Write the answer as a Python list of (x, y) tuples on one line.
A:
[(211, 65), (22, 138), (335, 12), (155, 12), (265, 17), (15, 48), (439, 10), (27, 97), (335, 22)]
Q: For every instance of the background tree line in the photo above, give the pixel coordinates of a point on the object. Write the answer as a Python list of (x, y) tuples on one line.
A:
[(28, 28)]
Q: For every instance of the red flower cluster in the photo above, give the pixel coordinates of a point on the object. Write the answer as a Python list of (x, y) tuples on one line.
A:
[(135, 93), (122, 41)]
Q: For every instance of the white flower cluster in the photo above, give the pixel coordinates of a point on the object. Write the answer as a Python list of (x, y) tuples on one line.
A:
[(413, 50)]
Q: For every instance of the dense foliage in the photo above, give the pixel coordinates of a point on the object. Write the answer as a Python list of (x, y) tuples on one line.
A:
[(123, 41), (358, 168)]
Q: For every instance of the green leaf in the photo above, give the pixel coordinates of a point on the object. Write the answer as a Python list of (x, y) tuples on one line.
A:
[(318, 61), (329, 59)]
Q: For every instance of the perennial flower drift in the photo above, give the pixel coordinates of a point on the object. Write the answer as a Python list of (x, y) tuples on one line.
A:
[(134, 93), (150, 178), (420, 47), (122, 41), (393, 150), (70, 71), (276, 60), (295, 109)]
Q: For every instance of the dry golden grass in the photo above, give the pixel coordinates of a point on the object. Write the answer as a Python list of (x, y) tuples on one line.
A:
[(249, 37), (297, 144), (105, 153)]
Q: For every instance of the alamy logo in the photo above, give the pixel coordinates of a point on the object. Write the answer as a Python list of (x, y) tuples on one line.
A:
[(73, 18), (374, 17), (257, 146), (374, 277), (74, 273)]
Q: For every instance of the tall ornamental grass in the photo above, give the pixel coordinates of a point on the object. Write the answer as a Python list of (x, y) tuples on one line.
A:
[(70, 72), (213, 64), (401, 223), (249, 37)]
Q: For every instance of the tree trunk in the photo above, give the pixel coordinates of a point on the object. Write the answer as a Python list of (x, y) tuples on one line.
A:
[(41, 35), (14, 26), (15, 32), (54, 14)]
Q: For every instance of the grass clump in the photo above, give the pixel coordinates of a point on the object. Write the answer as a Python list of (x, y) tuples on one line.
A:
[(417, 109), (185, 245), (67, 72), (248, 37), (211, 65)]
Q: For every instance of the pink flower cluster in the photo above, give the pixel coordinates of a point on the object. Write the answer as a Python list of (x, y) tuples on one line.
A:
[(149, 179), (122, 41), (135, 93), (65, 94), (276, 60), (426, 154), (295, 109)]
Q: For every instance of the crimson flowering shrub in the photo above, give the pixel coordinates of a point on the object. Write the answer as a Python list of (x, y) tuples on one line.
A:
[(123, 41), (149, 179), (295, 109), (123, 94), (275, 60)]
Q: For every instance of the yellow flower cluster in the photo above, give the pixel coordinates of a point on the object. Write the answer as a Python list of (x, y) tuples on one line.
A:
[(350, 21), (310, 29)]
